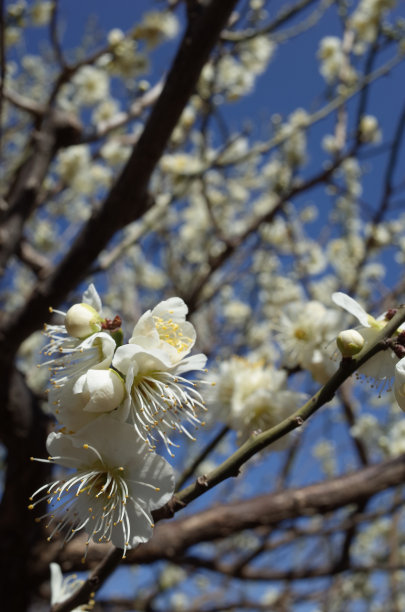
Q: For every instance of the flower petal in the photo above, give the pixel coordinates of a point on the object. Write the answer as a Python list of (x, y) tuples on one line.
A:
[(90, 296), (351, 306)]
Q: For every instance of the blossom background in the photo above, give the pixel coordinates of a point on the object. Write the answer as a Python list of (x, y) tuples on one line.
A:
[(270, 195)]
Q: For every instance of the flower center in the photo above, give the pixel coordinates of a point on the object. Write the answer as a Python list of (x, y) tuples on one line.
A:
[(170, 332), (300, 334)]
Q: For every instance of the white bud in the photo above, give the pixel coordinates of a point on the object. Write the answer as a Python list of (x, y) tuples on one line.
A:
[(82, 320), (350, 342), (100, 390)]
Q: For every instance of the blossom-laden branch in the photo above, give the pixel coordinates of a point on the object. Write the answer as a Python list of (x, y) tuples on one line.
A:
[(256, 443)]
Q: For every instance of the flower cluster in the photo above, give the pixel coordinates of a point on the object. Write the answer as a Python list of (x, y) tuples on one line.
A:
[(113, 401), (250, 396), (384, 367), (305, 331)]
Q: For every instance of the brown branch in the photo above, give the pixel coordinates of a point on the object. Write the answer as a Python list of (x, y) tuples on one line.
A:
[(23, 432), (54, 35), (172, 539), (136, 109), (284, 16), (351, 421), (57, 130), (2, 68)]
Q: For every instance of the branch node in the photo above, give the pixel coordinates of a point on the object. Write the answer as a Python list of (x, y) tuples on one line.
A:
[(202, 481)]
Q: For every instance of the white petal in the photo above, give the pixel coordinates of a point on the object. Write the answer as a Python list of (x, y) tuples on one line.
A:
[(56, 583), (141, 528), (189, 364), (104, 389), (382, 365), (399, 384), (61, 445), (173, 308), (106, 345), (145, 333), (90, 296), (351, 306)]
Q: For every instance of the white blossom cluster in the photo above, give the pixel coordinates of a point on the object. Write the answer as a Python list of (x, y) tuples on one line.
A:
[(250, 396), (385, 366), (112, 401)]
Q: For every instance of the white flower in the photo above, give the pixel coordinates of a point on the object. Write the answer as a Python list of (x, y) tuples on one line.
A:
[(92, 85), (369, 130), (396, 439), (156, 26), (115, 484), (331, 56), (63, 588), (304, 331), (41, 12), (250, 396), (153, 363), (382, 365), (73, 375), (71, 162)]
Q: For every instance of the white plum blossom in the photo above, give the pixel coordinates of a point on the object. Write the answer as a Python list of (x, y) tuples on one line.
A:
[(304, 332), (63, 588), (369, 129), (249, 396), (380, 367), (331, 56), (153, 362), (41, 12), (80, 368), (366, 19), (156, 26), (72, 376), (71, 162), (92, 85), (115, 484), (396, 438)]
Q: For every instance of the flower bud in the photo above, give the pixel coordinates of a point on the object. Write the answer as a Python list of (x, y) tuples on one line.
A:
[(82, 320), (100, 390), (349, 342)]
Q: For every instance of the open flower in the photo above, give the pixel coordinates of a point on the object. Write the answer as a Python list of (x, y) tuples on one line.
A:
[(304, 332), (380, 367), (251, 396), (115, 484), (153, 363)]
